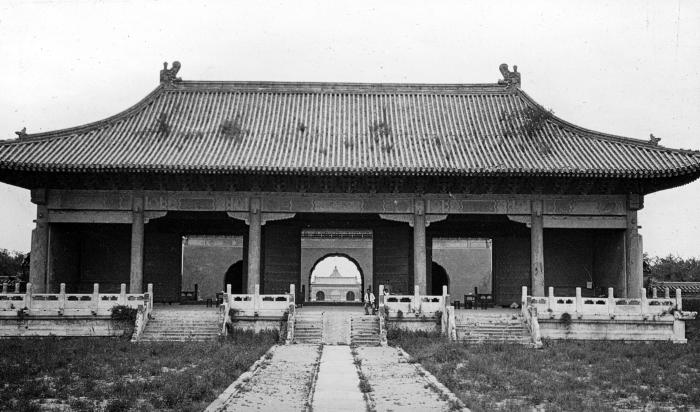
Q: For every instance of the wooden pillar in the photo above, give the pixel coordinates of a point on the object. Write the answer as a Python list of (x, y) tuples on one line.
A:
[(632, 252), (254, 245), (136, 274), (40, 242), (621, 288), (419, 254), (537, 249)]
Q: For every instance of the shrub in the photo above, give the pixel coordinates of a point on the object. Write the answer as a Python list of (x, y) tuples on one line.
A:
[(565, 319), (123, 313)]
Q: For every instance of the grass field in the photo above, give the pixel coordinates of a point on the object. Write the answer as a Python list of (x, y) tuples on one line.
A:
[(92, 374), (568, 376)]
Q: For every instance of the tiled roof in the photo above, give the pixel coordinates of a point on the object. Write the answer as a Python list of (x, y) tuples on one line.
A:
[(340, 128)]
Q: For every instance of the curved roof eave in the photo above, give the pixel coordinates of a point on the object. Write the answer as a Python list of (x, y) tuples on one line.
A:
[(33, 137)]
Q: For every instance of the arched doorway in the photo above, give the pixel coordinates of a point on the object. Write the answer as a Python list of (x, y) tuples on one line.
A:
[(234, 277), (439, 278), (320, 296), (338, 277)]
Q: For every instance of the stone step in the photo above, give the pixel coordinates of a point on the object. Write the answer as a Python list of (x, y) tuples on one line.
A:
[(166, 333), (496, 328)]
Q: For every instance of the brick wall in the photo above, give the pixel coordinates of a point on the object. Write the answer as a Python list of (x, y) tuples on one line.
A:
[(205, 261)]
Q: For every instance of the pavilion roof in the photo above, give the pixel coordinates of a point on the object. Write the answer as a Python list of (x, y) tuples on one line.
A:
[(342, 129)]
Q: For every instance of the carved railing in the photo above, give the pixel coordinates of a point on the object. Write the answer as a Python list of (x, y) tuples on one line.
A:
[(290, 324), (143, 315), (603, 307), (255, 304), (452, 329), (415, 304), (529, 314), (224, 312), (383, 309), (70, 304)]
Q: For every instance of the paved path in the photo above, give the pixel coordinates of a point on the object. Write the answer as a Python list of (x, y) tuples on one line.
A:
[(281, 384), (396, 383), (338, 385)]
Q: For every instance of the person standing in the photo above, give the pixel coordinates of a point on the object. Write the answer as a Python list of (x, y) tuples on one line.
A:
[(369, 301)]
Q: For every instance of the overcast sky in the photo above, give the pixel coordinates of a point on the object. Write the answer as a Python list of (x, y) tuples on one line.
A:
[(624, 67)]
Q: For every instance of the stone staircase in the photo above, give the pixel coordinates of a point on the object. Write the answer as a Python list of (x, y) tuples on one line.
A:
[(490, 328), (364, 330), (181, 324), (308, 327)]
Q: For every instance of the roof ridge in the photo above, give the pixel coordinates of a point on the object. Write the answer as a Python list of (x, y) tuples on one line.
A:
[(310, 87), (33, 137)]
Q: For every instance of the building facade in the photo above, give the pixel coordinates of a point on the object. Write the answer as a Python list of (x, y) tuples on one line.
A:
[(408, 163), (336, 288)]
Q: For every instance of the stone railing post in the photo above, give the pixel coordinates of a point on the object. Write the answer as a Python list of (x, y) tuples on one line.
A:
[(523, 297), (228, 298), (667, 292), (17, 287), (679, 300), (611, 302), (416, 298), (122, 294), (579, 302), (292, 294), (62, 298), (444, 295), (4, 288), (256, 298), (150, 295), (643, 303), (96, 297), (550, 298), (654, 293), (28, 296)]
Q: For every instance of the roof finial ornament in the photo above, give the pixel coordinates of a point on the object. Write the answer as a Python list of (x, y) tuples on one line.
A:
[(22, 133), (653, 139), (168, 75), (510, 78)]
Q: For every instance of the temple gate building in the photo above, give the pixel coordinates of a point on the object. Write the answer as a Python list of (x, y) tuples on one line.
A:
[(336, 288), (418, 170)]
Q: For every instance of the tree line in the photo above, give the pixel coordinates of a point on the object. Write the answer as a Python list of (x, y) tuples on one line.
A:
[(672, 268), (12, 263)]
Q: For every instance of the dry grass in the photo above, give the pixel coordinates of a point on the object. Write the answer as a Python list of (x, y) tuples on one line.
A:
[(106, 374), (592, 376)]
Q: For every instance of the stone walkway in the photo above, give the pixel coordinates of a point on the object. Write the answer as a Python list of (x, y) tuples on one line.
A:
[(396, 383), (337, 384), (282, 383)]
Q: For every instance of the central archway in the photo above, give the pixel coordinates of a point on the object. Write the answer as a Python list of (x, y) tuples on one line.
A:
[(234, 277), (439, 278), (354, 244), (337, 277)]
